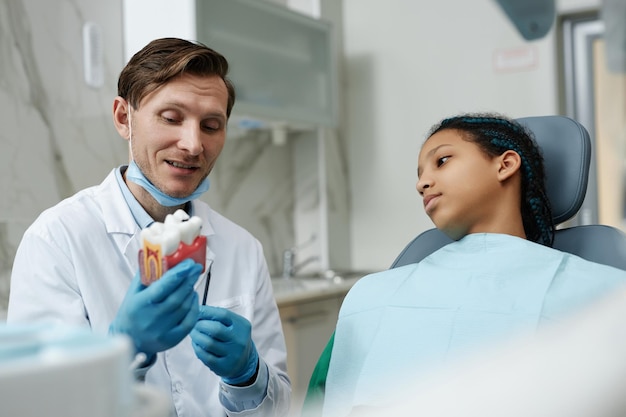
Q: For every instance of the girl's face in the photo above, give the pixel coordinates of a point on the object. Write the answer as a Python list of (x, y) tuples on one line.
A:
[(459, 184)]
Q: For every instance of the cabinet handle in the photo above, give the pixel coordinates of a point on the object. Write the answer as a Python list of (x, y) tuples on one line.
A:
[(311, 317)]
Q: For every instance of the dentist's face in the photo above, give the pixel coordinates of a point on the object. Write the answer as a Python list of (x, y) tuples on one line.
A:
[(458, 183), (178, 132)]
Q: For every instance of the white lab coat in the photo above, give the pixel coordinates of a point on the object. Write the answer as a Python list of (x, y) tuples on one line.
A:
[(75, 263)]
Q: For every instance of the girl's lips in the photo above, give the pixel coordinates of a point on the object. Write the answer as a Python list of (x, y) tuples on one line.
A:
[(429, 201)]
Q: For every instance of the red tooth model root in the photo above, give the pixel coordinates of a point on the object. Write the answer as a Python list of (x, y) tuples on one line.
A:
[(153, 264)]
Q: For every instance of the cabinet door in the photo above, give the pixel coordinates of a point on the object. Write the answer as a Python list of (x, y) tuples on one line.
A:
[(281, 61), (307, 327)]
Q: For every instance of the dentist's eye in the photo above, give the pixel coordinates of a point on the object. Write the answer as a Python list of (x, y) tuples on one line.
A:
[(442, 160), (211, 127), (170, 120), (171, 117)]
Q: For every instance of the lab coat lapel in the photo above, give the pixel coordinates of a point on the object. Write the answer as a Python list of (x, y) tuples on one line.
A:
[(119, 221)]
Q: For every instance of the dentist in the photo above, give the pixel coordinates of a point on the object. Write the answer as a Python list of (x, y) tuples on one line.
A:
[(78, 262)]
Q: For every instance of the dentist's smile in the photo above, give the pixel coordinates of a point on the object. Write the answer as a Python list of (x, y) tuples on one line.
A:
[(181, 165)]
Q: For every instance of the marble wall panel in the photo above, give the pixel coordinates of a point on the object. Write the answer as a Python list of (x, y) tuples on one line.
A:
[(57, 135), (252, 184)]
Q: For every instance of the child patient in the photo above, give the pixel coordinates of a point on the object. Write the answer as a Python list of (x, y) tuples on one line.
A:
[(481, 178)]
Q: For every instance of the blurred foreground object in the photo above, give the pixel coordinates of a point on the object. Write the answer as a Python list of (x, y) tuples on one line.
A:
[(573, 369), (59, 371)]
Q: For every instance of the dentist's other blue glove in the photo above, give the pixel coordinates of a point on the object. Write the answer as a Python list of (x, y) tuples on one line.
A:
[(222, 340), (159, 316)]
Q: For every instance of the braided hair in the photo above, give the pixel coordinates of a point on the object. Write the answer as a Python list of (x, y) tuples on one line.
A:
[(495, 134)]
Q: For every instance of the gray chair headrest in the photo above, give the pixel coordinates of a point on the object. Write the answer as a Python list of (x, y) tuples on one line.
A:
[(566, 149)]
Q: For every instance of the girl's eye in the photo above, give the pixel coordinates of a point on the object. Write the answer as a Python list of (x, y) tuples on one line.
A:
[(442, 160)]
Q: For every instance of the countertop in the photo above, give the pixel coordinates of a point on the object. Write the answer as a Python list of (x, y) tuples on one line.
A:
[(298, 290)]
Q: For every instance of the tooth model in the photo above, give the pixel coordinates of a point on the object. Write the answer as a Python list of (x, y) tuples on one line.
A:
[(168, 243)]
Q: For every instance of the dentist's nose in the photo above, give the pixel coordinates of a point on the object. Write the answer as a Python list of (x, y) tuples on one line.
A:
[(191, 141)]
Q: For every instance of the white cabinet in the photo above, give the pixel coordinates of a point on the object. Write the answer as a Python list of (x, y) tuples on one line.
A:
[(281, 62), (307, 326), (308, 311)]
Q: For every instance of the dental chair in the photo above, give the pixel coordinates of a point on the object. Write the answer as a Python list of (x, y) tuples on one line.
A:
[(566, 148)]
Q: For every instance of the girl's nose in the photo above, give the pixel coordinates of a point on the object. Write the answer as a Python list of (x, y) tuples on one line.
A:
[(422, 184)]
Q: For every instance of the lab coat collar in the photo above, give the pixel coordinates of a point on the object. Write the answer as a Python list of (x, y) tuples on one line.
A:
[(115, 212), (119, 219)]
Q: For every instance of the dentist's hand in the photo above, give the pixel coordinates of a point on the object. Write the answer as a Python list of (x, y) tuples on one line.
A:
[(222, 341), (159, 316)]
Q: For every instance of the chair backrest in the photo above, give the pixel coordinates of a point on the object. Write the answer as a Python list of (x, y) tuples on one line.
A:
[(566, 149)]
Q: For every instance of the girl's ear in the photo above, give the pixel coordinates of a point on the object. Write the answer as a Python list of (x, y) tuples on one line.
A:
[(509, 163)]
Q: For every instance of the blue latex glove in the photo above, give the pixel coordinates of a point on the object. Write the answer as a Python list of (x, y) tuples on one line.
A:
[(222, 341), (159, 316)]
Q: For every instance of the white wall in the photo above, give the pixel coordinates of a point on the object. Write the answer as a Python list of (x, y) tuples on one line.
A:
[(146, 20), (408, 66)]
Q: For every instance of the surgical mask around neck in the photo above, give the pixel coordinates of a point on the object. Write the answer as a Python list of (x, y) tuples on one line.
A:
[(134, 174)]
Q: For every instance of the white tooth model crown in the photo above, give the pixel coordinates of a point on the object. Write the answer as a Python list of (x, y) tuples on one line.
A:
[(168, 243)]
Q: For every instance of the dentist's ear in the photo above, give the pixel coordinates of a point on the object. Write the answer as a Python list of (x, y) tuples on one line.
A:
[(121, 117)]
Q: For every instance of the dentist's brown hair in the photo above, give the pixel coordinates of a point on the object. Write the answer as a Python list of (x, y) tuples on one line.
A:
[(165, 59)]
